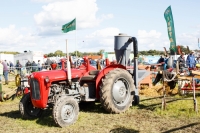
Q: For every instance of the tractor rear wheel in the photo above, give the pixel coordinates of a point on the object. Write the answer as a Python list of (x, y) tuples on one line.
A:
[(27, 110), (116, 93), (65, 111)]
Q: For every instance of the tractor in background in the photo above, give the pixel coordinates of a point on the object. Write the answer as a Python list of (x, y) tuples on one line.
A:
[(115, 87)]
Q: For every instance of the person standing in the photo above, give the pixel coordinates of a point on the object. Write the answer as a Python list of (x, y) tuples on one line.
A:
[(161, 62), (39, 66), (1, 69), (181, 61), (190, 61), (48, 63), (18, 67), (5, 72), (11, 66), (34, 66), (28, 66), (1, 73), (166, 61)]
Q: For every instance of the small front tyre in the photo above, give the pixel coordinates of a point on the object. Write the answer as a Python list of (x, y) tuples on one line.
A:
[(26, 108), (65, 111)]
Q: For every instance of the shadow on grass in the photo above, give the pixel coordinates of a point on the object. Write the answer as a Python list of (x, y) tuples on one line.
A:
[(153, 106), (179, 128), (91, 107), (13, 114), (123, 130), (45, 120)]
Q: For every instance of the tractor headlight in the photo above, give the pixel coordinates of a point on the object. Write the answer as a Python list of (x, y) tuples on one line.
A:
[(46, 79)]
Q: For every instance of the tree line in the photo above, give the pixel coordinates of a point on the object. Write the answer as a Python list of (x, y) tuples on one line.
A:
[(101, 51)]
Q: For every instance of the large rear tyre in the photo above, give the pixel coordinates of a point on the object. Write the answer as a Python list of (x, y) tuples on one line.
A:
[(26, 108), (116, 93), (65, 111)]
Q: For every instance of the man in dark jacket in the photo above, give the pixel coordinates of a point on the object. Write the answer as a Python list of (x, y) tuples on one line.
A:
[(18, 67), (28, 67), (34, 66), (161, 61), (11, 67), (181, 61)]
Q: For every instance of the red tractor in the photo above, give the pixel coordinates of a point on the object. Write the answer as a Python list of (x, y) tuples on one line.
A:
[(64, 89)]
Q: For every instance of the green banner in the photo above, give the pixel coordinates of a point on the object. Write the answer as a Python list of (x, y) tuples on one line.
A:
[(69, 26), (171, 31)]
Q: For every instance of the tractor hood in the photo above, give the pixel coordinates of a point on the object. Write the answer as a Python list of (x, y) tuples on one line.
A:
[(56, 75)]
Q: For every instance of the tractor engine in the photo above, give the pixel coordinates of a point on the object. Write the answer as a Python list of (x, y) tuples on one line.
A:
[(80, 93)]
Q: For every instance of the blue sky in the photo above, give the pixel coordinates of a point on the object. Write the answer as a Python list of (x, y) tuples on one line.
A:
[(35, 25)]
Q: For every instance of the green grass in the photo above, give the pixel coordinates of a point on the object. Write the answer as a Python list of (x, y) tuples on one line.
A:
[(147, 117)]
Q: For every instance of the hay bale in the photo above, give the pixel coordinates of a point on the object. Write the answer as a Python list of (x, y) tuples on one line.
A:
[(157, 90)]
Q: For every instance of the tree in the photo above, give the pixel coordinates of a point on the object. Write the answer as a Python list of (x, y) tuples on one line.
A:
[(100, 52), (59, 53), (50, 55), (77, 53)]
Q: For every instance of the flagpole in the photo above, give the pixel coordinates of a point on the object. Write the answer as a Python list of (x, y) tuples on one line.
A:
[(76, 37), (68, 64), (75, 43)]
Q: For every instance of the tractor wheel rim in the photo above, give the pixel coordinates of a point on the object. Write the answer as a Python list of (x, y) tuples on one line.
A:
[(120, 92), (67, 113)]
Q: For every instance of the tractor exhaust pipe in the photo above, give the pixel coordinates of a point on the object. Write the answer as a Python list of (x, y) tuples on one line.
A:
[(135, 75), (122, 49)]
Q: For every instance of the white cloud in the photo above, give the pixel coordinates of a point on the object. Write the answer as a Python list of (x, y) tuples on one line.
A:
[(149, 40), (56, 14), (12, 39), (100, 39), (48, 1)]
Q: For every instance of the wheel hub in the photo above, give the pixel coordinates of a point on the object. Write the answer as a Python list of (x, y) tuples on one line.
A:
[(67, 113), (122, 91), (119, 91)]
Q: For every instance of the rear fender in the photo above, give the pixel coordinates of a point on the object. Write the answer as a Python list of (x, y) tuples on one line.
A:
[(102, 73)]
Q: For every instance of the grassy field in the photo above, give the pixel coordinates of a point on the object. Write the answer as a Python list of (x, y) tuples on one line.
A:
[(147, 117)]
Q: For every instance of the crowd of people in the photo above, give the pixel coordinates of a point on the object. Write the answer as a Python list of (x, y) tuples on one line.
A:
[(185, 63)]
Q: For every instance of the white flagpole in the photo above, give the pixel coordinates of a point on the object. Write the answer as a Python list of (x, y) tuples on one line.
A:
[(68, 64), (75, 37), (75, 43)]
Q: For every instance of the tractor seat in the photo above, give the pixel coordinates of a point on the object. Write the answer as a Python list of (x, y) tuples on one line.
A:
[(92, 75), (89, 77), (94, 72)]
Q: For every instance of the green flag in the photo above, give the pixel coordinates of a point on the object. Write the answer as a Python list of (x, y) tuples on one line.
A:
[(171, 31), (69, 26)]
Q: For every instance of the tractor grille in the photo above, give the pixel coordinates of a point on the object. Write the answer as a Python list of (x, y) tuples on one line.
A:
[(35, 89)]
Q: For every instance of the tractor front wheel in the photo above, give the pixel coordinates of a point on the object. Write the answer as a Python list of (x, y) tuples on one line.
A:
[(116, 93), (27, 110), (65, 111)]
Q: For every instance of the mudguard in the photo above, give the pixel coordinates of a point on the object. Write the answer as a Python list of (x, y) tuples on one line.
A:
[(102, 73)]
